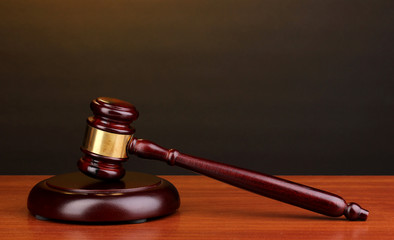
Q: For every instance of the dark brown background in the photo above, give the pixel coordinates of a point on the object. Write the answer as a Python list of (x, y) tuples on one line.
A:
[(281, 87)]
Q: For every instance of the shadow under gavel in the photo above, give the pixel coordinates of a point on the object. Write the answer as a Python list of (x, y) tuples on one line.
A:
[(109, 137)]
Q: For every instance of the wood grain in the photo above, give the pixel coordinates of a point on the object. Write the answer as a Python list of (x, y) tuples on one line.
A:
[(280, 189), (214, 210), (105, 162)]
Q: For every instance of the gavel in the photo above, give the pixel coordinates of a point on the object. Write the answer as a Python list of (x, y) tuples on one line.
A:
[(109, 138)]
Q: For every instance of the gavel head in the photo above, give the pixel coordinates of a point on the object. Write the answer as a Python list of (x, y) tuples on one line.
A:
[(107, 134)]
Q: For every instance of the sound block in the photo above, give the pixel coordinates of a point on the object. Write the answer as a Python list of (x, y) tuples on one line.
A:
[(79, 198)]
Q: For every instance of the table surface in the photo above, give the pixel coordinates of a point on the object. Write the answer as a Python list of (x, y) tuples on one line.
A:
[(214, 210)]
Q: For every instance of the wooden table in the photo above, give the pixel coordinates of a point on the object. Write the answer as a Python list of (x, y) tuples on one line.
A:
[(214, 210)]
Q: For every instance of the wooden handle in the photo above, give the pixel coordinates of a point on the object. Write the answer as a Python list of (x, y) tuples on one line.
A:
[(266, 185)]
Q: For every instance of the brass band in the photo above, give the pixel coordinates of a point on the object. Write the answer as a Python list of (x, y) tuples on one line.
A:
[(105, 143)]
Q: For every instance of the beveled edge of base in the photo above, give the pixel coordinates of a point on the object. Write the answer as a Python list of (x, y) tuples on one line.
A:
[(138, 221), (134, 207)]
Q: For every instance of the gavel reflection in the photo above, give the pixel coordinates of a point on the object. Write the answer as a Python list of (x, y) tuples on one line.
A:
[(109, 137)]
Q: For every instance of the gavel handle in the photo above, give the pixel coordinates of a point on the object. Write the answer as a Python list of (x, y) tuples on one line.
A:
[(266, 185)]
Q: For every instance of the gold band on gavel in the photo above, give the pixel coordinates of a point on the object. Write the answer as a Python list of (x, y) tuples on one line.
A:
[(105, 143)]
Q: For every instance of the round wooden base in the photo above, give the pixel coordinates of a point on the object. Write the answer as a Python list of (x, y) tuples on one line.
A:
[(76, 197)]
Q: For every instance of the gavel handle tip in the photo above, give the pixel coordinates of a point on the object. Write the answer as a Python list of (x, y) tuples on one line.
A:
[(354, 212)]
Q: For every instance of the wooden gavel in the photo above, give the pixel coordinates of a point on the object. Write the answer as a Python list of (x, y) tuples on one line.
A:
[(109, 137)]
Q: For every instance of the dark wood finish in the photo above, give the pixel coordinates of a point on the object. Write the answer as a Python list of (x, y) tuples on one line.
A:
[(279, 189), (113, 115), (101, 167), (110, 115), (77, 197), (215, 210), (269, 186)]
